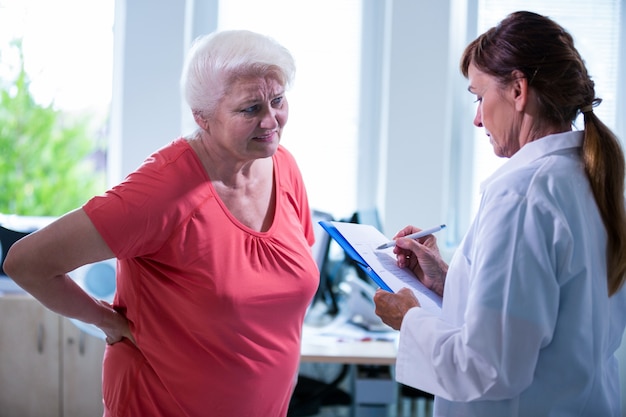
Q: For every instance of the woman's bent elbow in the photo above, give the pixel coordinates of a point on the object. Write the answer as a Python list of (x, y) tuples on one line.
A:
[(15, 263)]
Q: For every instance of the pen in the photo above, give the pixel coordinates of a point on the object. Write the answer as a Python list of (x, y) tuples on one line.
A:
[(417, 235)]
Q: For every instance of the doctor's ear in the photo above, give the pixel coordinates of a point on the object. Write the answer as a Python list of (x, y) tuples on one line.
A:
[(519, 89)]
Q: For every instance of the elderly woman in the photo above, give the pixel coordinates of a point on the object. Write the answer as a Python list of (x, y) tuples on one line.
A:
[(534, 301), (212, 235)]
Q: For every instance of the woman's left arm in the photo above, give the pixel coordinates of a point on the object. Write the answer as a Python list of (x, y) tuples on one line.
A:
[(40, 263)]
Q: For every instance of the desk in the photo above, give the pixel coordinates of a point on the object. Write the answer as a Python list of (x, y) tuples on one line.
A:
[(343, 342), (354, 348), (348, 352)]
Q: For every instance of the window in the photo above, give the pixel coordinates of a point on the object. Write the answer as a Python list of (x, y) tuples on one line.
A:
[(324, 36), (595, 27), (58, 85), (68, 54)]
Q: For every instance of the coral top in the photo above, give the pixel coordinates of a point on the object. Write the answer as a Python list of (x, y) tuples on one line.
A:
[(215, 307)]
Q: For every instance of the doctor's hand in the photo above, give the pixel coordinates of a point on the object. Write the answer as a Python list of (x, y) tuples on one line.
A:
[(423, 258), (391, 307)]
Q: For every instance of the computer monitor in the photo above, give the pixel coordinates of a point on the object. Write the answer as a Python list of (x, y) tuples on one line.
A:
[(365, 216)]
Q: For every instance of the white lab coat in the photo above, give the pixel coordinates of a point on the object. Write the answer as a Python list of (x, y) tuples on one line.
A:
[(526, 327)]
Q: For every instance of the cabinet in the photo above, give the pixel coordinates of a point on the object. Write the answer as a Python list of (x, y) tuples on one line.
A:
[(48, 367)]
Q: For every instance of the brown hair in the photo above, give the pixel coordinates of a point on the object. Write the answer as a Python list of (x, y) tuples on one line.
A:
[(544, 52)]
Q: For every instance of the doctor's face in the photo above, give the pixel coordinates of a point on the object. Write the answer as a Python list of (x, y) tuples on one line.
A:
[(495, 112)]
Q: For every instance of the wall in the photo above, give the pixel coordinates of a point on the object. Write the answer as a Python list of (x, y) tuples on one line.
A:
[(413, 170), (149, 49)]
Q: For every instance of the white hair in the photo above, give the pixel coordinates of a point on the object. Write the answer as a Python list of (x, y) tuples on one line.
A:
[(217, 60)]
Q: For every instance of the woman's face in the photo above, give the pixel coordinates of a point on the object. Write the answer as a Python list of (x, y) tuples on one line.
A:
[(496, 112), (249, 120)]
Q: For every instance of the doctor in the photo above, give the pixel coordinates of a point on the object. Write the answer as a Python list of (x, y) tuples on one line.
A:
[(534, 300)]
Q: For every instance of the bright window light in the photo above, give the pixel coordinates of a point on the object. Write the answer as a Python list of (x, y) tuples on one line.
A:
[(324, 37), (68, 50)]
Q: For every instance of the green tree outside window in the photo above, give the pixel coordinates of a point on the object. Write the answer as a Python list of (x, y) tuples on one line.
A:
[(48, 159)]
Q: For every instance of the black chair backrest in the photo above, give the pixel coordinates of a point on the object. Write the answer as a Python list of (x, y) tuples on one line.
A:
[(322, 239), (320, 254), (7, 238)]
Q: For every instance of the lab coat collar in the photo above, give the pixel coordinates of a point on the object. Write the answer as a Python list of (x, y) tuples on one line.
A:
[(537, 149)]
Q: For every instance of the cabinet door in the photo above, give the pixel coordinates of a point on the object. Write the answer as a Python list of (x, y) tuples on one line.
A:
[(29, 359), (81, 373)]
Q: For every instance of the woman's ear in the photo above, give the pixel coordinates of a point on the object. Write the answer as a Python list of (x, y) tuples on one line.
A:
[(200, 120), (519, 90)]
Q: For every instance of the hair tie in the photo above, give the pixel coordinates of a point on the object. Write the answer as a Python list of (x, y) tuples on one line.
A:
[(587, 109)]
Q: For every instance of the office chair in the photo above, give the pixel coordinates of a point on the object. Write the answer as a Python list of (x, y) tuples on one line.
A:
[(325, 293), (310, 394), (12, 229), (415, 402), (7, 238)]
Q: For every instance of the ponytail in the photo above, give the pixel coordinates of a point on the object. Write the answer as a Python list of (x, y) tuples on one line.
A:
[(604, 164)]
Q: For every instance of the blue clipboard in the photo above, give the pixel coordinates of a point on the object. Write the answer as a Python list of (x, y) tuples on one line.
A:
[(353, 254)]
